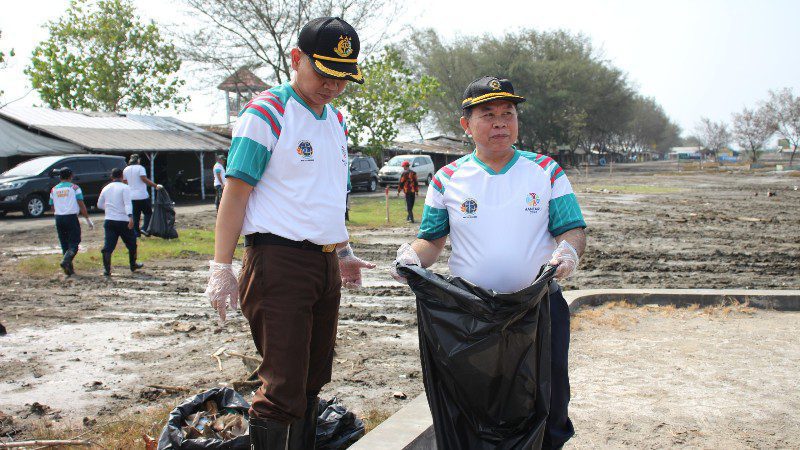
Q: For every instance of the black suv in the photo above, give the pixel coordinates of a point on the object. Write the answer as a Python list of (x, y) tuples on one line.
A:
[(27, 186), (363, 172)]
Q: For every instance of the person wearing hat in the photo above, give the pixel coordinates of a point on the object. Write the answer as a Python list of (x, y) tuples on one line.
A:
[(408, 184), (66, 199), (136, 177), (287, 181), (219, 179), (115, 199), (507, 212)]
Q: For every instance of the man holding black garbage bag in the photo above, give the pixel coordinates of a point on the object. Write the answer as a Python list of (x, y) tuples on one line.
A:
[(507, 212)]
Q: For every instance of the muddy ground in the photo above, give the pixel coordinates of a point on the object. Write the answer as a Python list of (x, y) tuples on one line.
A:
[(89, 347)]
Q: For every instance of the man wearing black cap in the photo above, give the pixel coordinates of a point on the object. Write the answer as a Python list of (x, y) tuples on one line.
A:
[(66, 199), (287, 181), (507, 212)]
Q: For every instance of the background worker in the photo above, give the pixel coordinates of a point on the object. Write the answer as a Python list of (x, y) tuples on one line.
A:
[(136, 177), (408, 184), (115, 199), (66, 199), (507, 213), (219, 179), (287, 179)]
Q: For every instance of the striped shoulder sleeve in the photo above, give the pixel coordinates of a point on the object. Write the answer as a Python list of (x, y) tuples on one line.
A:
[(340, 119), (443, 175), (254, 136), (78, 192)]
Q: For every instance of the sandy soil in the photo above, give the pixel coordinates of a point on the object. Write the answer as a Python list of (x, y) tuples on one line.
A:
[(90, 347)]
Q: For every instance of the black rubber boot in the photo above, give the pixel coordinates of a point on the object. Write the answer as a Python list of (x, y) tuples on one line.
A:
[(303, 432), (134, 265), (107, 264), (268, 434), (66, 262)]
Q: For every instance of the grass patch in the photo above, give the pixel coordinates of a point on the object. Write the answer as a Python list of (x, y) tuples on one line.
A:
[(373, 418), (634, 189), (371, 211), (191, 243)]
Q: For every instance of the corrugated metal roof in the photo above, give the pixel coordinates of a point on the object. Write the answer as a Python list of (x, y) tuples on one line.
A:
[(109, 132), (16, 141)]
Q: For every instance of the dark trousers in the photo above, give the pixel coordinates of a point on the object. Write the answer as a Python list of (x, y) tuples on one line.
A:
[(218, 198), (140, 207), (559, 427), (69, 232), (115, 229), (410, 196), (290, 297)]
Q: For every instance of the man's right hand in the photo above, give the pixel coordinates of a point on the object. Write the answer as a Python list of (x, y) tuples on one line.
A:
[(223, 289), (405, 256)]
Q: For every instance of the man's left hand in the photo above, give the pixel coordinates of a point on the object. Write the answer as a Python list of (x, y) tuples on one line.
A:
[(350, 267), (566, 258)]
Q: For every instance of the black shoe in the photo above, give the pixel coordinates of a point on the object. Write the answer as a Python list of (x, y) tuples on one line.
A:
[(268, 434), (303, 432), (132, 260), (107, 264), (66, 263)]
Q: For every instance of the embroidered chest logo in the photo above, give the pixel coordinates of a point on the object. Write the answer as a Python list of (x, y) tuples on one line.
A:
[(344, 48), (470, 208), (305, 150), (534, 202)]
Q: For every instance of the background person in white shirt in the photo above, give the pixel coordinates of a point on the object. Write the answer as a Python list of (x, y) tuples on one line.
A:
[(136, 177), (66, 199), (115, 199), (219, 179)]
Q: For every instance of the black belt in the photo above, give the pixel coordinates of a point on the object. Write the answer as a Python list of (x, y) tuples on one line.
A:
[(273, 239)]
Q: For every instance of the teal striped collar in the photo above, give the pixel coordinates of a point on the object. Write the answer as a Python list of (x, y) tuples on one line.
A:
[(305, 105), (491, 171)]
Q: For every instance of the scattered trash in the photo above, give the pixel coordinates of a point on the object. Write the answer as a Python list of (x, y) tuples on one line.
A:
[(491, 390), (214, 419), (39, 409), (337, 428), (183, 327), (400, 395), (771, 193), (87, 422)]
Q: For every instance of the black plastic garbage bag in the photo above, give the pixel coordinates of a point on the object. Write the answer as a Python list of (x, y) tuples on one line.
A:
[(172, 437), (162, 223), (485, 360), (337, 428)]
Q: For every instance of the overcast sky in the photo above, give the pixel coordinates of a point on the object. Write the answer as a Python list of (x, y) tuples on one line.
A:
[(697, 58)]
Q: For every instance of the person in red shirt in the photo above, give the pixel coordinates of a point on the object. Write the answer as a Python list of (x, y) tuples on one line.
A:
[(408, 184)]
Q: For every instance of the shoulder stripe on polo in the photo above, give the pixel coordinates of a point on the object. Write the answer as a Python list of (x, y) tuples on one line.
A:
[(438, 185), (266, 115), (557, 174)]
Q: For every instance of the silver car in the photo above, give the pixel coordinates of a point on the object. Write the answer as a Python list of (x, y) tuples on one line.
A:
[(421, 164)]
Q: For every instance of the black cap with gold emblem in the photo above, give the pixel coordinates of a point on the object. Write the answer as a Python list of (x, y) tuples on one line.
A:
[(333, 45), (487, 89)]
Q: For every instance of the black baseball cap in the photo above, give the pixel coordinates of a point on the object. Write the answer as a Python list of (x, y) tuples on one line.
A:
[(333, 46), (64, 173), (487, 89)]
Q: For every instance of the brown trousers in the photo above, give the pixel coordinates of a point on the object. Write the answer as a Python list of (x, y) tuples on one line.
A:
[(290, 297)]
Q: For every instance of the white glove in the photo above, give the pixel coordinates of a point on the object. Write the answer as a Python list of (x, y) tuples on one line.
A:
[(350, 267), (566, 257), (222, 285), (89, 222), (159, 187), (405, 256)]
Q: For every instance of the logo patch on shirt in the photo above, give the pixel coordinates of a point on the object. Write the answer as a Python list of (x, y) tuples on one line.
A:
[(305, 150), (470, 208), (533, 202)]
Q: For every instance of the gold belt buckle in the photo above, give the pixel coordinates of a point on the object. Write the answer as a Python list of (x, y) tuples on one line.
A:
[(327, 248)]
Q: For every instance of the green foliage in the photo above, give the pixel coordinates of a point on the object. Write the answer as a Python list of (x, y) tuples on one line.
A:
[(3, 58), (101, 57), (391, 95)]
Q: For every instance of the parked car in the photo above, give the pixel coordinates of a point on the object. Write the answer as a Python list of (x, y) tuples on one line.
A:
[(421, 164), (363, 172), (26, 187)]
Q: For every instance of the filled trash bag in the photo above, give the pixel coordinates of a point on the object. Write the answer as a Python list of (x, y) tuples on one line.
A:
[(337, 428), (189, 427), (162, 223), (485, 360)]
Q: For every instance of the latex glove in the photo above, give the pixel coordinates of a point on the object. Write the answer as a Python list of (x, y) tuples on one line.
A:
[(89, 223), (159, 187), (222, 287), (405, 256), (566, 258), (350, 267)]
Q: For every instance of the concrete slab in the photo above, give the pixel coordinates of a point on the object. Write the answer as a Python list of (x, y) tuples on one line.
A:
[(411, 428)]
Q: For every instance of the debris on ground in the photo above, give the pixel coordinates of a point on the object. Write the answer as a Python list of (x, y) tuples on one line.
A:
[(211, 423), (216, 418), (400, 395), (337, 428)]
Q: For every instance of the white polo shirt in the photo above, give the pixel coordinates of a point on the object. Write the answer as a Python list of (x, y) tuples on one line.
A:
[(218, 169), (501, 224), (64, 198), (296, 161), (133, 175), (115, 199)]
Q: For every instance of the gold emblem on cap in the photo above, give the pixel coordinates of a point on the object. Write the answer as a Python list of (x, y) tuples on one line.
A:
[(344, 48), (494, 84)]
